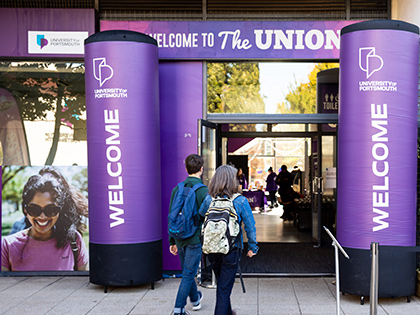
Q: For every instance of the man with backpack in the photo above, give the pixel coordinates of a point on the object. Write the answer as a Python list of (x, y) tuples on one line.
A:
[(184, 228)]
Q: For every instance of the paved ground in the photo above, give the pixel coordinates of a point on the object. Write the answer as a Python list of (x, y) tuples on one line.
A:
[(264, 296)]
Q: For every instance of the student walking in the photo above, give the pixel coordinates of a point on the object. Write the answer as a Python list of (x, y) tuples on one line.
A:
[(224, 257), (272, 187), (184, 235)]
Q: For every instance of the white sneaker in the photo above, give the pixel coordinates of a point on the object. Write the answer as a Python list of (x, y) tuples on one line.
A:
[(197, 305)]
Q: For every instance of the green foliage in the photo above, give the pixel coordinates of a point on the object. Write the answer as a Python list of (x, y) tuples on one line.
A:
[(234, 88), (80, 181), (302, 96), (12, 186)]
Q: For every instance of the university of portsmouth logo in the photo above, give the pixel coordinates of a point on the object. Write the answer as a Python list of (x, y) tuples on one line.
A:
[(369, 62), (101, 71), (41, 41)]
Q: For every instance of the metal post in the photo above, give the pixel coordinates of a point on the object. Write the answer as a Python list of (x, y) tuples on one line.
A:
[(337, 247), (213, 284), (337, 279), (374, 247), (213, 281), (199, 280)]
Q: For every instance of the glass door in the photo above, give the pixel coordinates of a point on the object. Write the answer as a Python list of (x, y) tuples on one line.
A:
[(208, 144), (324, 184), (209, 149), (316, 177)]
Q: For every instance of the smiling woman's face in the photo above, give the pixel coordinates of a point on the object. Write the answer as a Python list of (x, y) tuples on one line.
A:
[(42, 225)]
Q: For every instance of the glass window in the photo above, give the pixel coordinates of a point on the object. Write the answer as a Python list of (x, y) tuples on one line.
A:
[(263, 87), (272, 152), (43, 113), (248, 127), (289, 127)]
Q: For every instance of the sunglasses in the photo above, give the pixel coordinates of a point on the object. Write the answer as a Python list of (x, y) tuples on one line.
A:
[(35, 210)]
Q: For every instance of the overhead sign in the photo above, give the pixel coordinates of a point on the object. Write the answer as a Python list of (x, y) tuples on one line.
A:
[(240, 40), (42, 42)]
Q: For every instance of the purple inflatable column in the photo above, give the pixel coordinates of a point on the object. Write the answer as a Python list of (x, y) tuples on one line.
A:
[(377, 154), (122, 101)]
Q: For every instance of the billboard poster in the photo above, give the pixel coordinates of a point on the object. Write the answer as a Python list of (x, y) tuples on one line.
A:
[(44, 218)]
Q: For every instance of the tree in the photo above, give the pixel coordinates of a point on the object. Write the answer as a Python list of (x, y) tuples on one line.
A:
[(301, 98), (12, 184), (234, 88), (56, 87)]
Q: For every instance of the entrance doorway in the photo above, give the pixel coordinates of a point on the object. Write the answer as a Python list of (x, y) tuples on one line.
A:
[(294, 245)]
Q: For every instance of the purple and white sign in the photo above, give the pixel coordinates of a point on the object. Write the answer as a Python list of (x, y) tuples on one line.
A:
[(31, 32), (378, 135), (123, 130), (240, 40)]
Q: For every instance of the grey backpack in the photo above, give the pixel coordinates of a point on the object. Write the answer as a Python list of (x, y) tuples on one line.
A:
[(221, 226)]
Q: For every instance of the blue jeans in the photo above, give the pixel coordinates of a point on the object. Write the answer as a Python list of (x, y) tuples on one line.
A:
[(190, 257), (225, 268)]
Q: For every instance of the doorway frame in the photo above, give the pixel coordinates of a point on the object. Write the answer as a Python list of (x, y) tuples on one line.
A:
[(269, 119)]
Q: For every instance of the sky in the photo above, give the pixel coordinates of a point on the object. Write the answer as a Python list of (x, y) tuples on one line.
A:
[(276, 77)]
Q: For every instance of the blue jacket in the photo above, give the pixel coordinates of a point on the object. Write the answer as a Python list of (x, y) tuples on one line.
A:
[(245, 215)]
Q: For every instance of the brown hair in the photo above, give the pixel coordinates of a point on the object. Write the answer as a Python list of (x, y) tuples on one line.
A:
[(193, 163), (224, 182)]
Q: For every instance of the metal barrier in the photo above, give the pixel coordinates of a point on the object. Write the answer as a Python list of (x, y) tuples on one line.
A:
[(374, 279), (374, 247), (337, 247)]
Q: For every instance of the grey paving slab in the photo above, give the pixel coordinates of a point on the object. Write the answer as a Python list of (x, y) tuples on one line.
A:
[(280, 308), (264, 296), (7, 282), (74, 306)]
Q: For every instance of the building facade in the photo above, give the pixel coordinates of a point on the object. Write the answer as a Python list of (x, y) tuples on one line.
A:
[(43, 88)]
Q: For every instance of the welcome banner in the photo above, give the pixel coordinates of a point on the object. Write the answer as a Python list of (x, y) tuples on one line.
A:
[(240, 40), (378, 134)]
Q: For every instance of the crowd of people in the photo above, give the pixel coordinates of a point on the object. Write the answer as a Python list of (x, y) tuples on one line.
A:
[(282, 188)]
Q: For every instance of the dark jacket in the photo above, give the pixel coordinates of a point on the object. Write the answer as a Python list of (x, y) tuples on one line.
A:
[(200, 195), (271, 182)]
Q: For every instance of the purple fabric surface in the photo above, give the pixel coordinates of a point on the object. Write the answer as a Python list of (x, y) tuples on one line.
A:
[(377, 138), (198, 40), (255, 198), (16, 22), (181, 106), (123, 129)]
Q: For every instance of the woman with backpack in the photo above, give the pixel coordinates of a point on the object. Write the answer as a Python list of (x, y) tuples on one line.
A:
[(224, 186)]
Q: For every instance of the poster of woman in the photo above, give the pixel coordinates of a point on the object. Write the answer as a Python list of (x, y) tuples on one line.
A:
[(44, 218)]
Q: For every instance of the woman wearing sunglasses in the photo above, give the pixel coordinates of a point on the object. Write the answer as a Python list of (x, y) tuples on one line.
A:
[(53, 241)]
